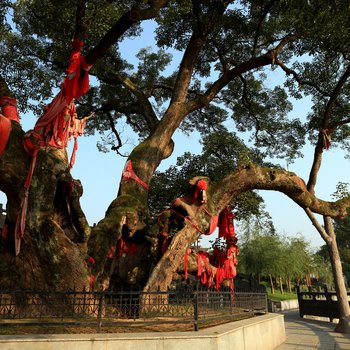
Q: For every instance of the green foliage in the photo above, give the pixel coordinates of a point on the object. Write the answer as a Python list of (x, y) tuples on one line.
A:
[(278, 296), (35, 43), (38, 46), (322, 269), (4, 26), (342, 191), (222, 153), (262, 255), (258, 223)]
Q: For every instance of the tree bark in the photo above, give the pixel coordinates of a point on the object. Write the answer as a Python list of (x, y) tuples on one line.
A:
[(55, 226), (328, 234), (343, 304), (281, 284)]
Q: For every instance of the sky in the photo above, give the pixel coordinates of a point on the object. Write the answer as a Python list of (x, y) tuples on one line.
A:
[(100, 173)]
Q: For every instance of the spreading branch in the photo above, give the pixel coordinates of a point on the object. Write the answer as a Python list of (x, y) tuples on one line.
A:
[(255, 177), (256, 62), (125, 22)]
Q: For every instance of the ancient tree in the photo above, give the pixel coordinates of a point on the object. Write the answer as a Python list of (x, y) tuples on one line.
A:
[(225, 49)]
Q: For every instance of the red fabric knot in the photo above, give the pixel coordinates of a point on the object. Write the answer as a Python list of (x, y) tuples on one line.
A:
[(125, 248), (54, 123), (92, 280), (90, 261), (213, 224), (128, 173), (77, 44), (8, 106), (202, 184), (5, 130), (226, 227), (111, 252), (32, 142)]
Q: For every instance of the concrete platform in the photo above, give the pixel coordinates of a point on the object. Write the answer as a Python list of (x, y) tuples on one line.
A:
[(277, 306), (264, 332), (311, 333)]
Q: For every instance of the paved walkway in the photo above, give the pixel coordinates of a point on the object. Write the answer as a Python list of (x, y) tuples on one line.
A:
[(308, 333)]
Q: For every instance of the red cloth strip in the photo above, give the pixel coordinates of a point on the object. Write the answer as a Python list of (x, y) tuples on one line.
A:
[(5, 129), (128, 173), (8, 105)]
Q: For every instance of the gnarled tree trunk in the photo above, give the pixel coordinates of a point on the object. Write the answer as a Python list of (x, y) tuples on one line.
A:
[(52, 250)]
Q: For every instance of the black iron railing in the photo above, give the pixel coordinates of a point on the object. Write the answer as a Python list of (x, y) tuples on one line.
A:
[(324, 304), (110, 308)]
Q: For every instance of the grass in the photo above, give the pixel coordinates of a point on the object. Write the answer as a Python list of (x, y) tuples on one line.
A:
[(278, 296)]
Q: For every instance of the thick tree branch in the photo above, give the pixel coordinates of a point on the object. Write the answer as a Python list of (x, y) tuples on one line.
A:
[(256, 62), (175, 112), (340, 123), (255, 177), (80, 25), (125, 22)]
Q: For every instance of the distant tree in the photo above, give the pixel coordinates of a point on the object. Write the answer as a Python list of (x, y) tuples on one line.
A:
[(262, 256), (298, 259), (285, 259), (322, 269)]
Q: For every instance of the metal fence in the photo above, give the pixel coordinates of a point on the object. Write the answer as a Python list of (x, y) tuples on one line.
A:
[(324, 304), (110, 308)]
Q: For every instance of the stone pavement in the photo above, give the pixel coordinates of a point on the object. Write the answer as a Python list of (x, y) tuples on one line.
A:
[(310, 333)]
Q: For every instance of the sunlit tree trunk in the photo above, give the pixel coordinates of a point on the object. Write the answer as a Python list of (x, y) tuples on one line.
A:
[(342, 296), (328, 234), (272, 287), (281, 284)]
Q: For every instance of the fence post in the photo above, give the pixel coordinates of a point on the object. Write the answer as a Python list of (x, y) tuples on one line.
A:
[(195, 307), (300, 301), (74, 300), (84, 300), (329, 302), (100, 309)]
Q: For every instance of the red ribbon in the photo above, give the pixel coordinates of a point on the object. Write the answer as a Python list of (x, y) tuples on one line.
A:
[(90, 261)]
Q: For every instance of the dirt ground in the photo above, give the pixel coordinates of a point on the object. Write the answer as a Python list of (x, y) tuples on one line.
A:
[(8, 328)]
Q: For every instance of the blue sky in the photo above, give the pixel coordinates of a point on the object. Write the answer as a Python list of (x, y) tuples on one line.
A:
[(100, 172)]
